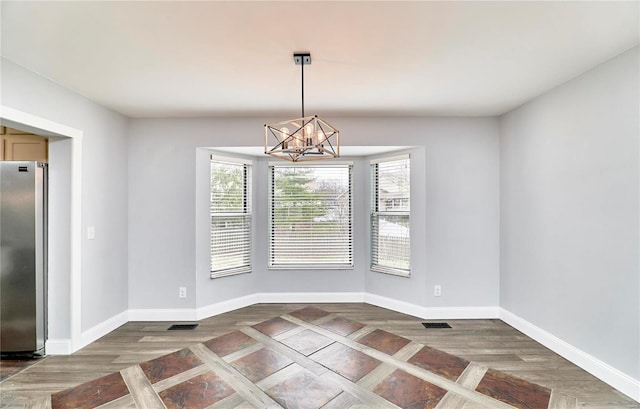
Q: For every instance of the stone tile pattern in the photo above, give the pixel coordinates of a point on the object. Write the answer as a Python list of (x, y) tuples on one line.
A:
[(514, 391), (303, 390), (91, 394), (408, 391), (443, 364), (346, 361), (307, 342), (309, 314), (229, 343), (275, 326), (169, 365), (197, 393), (342, 326), (260, 364), (384, 341), (270, 366)]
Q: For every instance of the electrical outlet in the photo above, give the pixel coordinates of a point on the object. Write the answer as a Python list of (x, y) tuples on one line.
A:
[(437, 290), (91, 232), (182, 292)]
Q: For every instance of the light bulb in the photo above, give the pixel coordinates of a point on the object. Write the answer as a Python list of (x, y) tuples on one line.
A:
[(297, 141), (284, 134), (309, 134)]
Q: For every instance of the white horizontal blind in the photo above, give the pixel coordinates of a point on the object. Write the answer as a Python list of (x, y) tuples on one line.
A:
[(230, 217), (390, 216), (310, 216)]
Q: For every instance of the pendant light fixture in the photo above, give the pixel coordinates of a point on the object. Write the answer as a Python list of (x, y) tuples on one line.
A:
[(303, 139)]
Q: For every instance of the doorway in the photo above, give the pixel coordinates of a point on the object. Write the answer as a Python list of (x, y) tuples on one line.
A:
[(64, 264)]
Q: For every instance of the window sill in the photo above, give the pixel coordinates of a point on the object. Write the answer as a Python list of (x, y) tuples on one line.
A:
[(391, 271), (310, 267), (213, 276)]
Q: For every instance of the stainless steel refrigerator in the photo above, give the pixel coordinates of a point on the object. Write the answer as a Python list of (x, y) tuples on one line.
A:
[(23, 257)]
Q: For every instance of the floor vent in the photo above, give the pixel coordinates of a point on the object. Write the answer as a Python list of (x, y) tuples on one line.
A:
[(436, 325), (182, 327)]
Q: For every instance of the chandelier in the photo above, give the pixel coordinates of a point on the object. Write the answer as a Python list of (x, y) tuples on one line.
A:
[(303, 139)]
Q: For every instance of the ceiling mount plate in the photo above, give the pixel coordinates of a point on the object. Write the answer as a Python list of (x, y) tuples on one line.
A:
[(302, 58)]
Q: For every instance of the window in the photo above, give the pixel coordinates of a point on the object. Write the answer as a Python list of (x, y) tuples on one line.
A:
[(230, 216), (310, 216), (390, 215)]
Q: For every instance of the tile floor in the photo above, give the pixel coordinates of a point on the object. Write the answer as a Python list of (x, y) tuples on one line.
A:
[(309, 358)]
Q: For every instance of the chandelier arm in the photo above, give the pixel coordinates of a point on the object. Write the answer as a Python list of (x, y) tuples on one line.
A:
[(329, 142), (281, 143)]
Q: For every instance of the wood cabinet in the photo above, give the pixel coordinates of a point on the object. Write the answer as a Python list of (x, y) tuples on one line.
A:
[(19, 145)]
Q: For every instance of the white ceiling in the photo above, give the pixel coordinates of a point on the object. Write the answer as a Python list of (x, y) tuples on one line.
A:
[(173, 58)]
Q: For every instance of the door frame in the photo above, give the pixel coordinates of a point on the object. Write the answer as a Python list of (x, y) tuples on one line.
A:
[(45, 127)]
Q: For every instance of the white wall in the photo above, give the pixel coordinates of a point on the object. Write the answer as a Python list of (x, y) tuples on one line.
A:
[(104, 195), (455, 242), (455, 220), (569, 221), (60, 239)]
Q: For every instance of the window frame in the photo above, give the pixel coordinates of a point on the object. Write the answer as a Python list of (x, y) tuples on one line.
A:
[(246, 214), (375, 213), (274, 265)]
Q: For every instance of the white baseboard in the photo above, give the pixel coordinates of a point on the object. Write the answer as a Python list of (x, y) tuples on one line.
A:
[(58, 347), (177, 314), (608, 374), (462, 313), (395, 305), (272, 298), (240, 302), (100, 330), (437, 313), (191, 314), (212, 310)]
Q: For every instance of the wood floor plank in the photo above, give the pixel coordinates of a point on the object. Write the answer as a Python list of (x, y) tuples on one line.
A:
[(247, 390), (377, 375), (297, 357), (140, 388), (342, 401), (411, 369), (230, 402), (562, 401), (181, 377), (244, 405), (367, 397), (472, 375), (243, 352), (454, 401), (121, 403), (489, 343), (40, 403), (361, 332)]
